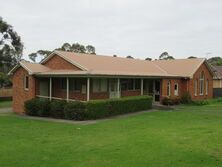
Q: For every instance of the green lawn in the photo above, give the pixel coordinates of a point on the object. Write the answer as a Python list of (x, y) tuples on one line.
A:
[(190, 136), (5, 104)]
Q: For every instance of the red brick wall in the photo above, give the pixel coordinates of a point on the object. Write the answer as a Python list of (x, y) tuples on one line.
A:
[(207, 75), (58, 63), (20, 95), (125, 93), (188, 85), (181, 83)]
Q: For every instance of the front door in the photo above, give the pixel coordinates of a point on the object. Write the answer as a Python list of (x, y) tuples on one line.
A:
[(156, 90), (113, 93)]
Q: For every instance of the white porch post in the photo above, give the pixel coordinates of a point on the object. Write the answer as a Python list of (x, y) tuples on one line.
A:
[(118, 87), (67, 89), (141, 87), (50, 88), (88, 88)]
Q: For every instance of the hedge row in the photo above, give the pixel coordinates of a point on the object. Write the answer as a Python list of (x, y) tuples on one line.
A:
[(87, 110)]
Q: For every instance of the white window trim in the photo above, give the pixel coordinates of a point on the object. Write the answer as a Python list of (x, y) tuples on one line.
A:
[(176, 94), (195, 87), (24, 82), (169, 87), (206, 88), (201, 82)]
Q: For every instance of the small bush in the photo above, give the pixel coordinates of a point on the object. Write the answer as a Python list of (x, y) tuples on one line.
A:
[(186, 98), (44, 107), (201, 102), (75, 111), (32, 107), (57, 108), (170, 101)]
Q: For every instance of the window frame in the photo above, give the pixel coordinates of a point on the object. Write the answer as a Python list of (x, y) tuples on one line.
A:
[(168, 88), (176, 90), (206, 88), (99, 81), (26, 82), (202, 83), (195, 87)]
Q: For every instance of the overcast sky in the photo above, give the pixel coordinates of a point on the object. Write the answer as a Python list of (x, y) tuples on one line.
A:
[(140, 28)]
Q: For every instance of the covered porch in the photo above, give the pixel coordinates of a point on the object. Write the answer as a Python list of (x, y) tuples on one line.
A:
[(74, 88)]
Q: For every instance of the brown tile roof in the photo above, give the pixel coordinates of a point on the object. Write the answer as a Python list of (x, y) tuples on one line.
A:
[(117, 66), (32, 68), (217, 71), (180, 67)]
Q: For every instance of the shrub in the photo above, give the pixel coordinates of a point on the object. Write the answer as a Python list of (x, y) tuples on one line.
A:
[(75, 110), (57, 108), (44, 107), (201, 102), (186, 98), (104, 108), (87, 110), (37, 107), (170, 101), (32, 107)]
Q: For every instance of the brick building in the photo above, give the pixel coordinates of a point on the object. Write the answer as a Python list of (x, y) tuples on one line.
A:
[(74, 76)]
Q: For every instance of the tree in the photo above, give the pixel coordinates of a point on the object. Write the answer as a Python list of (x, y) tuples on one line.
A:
[(129, 57), (11, 46), (41, 54), (192, 57), (217, 61), (148, 58), (75, 47), (90, 49), (165, 56)]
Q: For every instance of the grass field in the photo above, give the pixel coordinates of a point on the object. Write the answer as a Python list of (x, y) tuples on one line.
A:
[(190, 136), (5, 104)]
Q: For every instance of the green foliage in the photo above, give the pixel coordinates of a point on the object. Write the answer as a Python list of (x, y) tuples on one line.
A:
[(165, 56), (148, 59), (87, 110), (32, 107), (216, 61), (75, 110), (75, 47), (44, 107), (37, 107), (170, 101), (57, 108), (11, 46), (5, 81), (186, 98)]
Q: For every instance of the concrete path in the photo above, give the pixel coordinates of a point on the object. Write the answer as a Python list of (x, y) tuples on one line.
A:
[(5, 110)]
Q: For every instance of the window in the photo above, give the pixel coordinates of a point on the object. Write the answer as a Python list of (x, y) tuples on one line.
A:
[(202, 83), (130, 84), (207, 87), (99, 85), (137, 84), (63, 83), (75, 84), (26, 82), (176, 89), (195, 87), (168, 88)]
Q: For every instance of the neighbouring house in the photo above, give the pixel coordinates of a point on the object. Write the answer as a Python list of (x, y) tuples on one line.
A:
[(217, 81), (74, 76)]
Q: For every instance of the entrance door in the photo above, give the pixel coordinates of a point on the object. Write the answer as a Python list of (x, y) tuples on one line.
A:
[(156, 88), (44, 88), (113, 93)]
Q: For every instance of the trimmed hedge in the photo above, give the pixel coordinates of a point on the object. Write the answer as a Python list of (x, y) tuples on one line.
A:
[(37, 107), (87, 110)]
